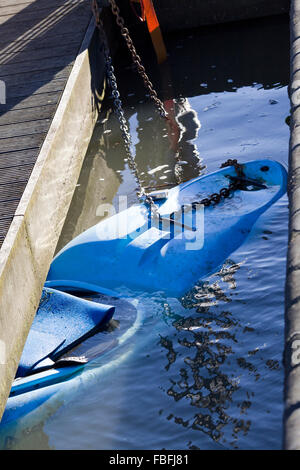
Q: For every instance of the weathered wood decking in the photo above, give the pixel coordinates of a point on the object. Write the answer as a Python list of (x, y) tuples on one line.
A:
[(53, 69), (39, 41)]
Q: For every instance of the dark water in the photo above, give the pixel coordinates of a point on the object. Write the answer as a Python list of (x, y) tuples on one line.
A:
[(204, 371)]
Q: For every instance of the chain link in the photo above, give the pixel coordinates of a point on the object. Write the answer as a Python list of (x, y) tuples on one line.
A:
[(215, 198), (233, 162)]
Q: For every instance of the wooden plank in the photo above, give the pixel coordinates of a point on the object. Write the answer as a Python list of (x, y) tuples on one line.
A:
[(43, 99), (26, 128), (12, 144), (40, 54), (42, 42), (12, 190), (39, 41), (15, 41), (37, 11), (35, 65), (34, 88), (47, 75), (15, 174), (61, 23), (37, 14), (5, 188), (4, 3), (13, 9), (27, 114), (8, 208), (22, 157), (4, 226)]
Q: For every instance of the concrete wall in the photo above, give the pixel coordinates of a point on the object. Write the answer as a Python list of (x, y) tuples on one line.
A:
[(29, 246)]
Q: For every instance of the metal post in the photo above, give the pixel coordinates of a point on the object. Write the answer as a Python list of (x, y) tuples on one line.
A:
[(292, 315)]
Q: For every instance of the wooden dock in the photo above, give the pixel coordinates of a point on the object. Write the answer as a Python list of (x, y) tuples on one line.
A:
[(53, 74), (39, 41)]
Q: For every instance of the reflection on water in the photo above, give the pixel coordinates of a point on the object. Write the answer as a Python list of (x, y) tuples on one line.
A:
[(214, 363), (175, 141), (207, 342), (207, 368)]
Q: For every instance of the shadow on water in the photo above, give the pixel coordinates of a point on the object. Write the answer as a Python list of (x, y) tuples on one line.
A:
[(223, 58), (212, 59)]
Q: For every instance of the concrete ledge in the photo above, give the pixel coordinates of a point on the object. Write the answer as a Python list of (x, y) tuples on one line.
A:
[(292, 314), (31, 240)]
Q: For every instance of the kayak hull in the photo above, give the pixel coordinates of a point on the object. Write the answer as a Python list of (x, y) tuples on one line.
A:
[(129, 250)]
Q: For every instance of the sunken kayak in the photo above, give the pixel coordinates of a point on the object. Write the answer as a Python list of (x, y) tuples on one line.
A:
[(67, 334), (62, 321), (184, 245)]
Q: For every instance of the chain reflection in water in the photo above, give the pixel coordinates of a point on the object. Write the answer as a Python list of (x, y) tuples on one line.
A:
[(206, 341)]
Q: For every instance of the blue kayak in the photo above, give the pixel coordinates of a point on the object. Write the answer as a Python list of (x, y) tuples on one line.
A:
[(68, 337), (186, 242), (62, 321)]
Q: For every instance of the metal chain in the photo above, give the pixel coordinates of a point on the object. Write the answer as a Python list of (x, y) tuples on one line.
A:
[(141, 70), (137, 60), (224, 193), (214, 198), (111, 78), (118, 108)]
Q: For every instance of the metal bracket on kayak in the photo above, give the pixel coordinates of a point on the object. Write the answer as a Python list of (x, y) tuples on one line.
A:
[(244, 183)]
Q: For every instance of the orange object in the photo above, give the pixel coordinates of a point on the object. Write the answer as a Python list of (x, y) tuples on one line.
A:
[(148, 14)]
